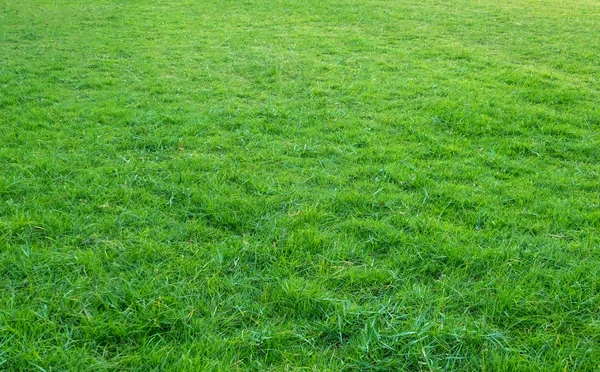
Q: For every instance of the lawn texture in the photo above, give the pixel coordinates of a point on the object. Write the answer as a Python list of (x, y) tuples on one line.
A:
[(300, 185)]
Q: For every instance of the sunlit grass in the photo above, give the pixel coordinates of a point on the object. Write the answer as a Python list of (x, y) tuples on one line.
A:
[(315, 185)]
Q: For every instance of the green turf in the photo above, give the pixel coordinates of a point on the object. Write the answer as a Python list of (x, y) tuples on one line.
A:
[(300, 185)]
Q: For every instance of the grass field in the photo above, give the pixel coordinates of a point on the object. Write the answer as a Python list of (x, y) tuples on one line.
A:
[(300, 185)]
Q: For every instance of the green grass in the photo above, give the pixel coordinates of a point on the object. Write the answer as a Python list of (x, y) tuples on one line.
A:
[(300, 185)]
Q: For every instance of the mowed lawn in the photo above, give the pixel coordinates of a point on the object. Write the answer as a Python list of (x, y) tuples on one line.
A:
[(300, 185)]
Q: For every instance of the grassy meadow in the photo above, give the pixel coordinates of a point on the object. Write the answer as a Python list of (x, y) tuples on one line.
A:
[(353, 185)]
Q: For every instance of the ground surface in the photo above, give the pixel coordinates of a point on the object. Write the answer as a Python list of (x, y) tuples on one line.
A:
[(289, 185)]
